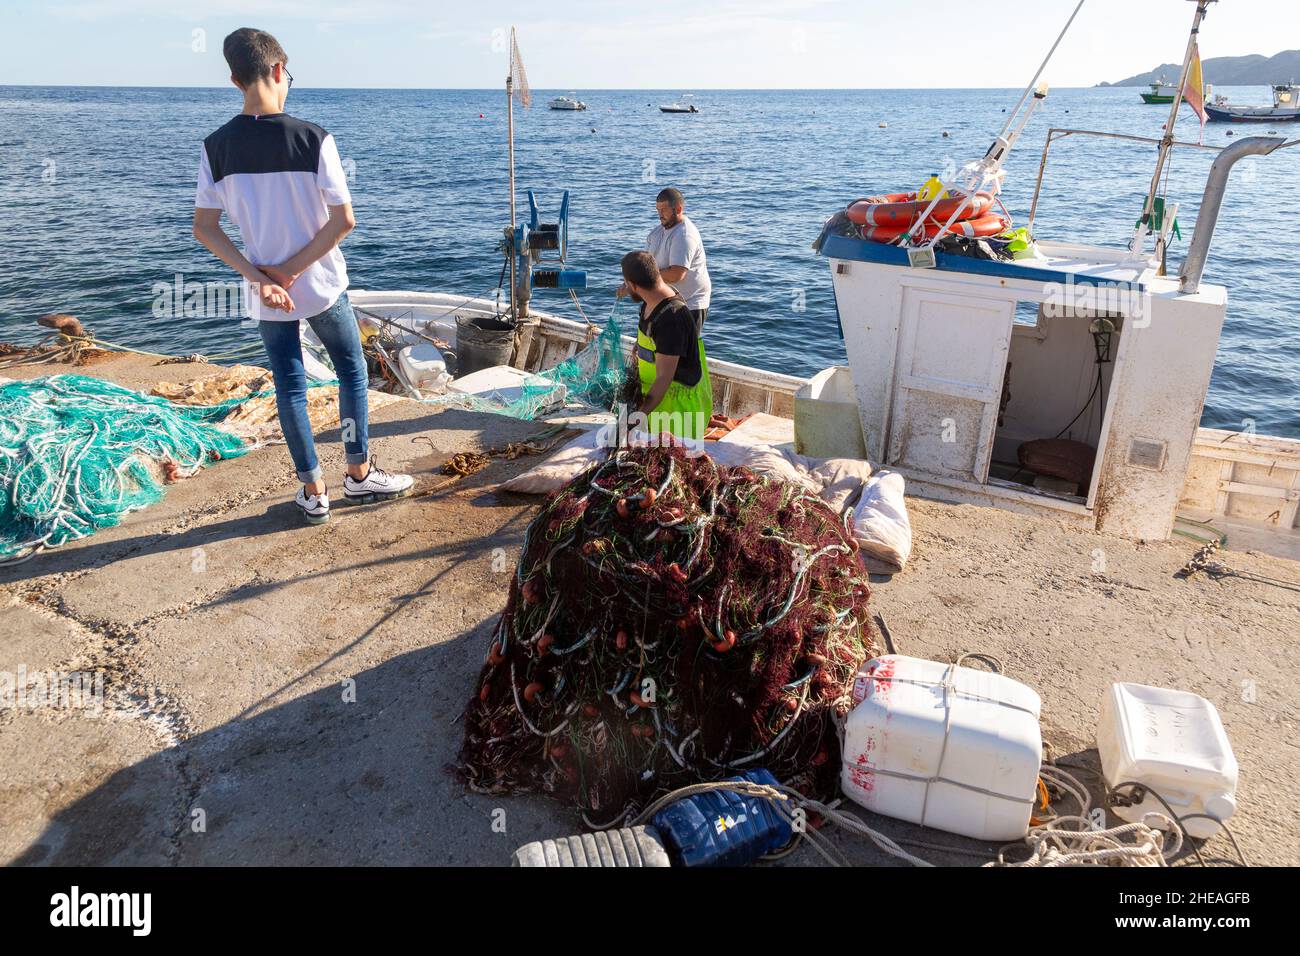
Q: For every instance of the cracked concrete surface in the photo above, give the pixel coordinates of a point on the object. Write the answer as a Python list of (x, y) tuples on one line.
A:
[(285, 694)]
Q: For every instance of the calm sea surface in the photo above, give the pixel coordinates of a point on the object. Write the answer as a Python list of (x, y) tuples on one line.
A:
[(97, 186)]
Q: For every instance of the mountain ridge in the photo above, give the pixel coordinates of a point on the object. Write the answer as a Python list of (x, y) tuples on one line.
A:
[(1254, 69)]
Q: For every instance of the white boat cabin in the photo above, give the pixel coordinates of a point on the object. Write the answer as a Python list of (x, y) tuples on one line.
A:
[(955, 367)]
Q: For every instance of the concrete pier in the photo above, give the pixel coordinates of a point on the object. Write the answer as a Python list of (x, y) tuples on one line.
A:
[(285, 694)]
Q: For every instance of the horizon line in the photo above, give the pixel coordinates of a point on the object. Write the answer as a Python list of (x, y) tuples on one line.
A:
[(548, 89)]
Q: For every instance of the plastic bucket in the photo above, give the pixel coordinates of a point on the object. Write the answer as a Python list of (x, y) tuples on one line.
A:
[(482, 342)]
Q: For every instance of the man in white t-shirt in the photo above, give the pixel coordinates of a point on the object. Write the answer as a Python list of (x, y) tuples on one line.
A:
[(679, 254), (281, 181)]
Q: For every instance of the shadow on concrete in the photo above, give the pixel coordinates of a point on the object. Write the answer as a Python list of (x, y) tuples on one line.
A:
[(470, 428), (315, 781)]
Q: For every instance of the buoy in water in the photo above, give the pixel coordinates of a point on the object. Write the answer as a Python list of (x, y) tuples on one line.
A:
[(945, 134), (480, 115)]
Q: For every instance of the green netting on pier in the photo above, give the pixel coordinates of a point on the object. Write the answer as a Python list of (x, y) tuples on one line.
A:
[(78, 453)]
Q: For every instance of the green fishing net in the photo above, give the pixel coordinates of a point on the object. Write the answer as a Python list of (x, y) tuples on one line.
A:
[(78, 453), (594, 376)]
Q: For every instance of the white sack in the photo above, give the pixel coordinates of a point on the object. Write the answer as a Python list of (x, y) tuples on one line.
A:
[(560, 468), (881, 525)]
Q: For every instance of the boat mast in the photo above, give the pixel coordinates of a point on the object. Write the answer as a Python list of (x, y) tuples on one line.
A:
[(510, 150), (1167, 141)]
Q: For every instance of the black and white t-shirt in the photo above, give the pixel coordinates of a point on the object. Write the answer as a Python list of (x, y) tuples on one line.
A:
[(275, 176)]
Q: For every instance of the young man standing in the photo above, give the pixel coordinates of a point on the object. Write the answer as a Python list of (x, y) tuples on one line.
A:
[(679, 254), (280, 180), (676, 395)]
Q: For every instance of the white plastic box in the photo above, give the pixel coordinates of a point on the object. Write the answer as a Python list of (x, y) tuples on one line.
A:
[(1174, 743), (954, 748), (826, 419)]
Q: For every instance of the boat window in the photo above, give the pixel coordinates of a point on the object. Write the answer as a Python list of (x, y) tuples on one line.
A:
[(1027, 314)]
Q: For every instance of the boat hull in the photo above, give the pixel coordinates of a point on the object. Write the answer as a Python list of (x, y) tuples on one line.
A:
[(1252, 115), (1156, 98)]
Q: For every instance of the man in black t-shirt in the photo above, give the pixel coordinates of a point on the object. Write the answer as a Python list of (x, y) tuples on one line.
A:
[(676, 394)]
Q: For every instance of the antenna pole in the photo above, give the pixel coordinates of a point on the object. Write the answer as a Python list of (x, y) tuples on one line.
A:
[(1167, 141), (510, 151), (1034, 82)]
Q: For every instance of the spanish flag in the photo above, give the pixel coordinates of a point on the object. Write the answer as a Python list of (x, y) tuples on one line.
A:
[(1194, 89)]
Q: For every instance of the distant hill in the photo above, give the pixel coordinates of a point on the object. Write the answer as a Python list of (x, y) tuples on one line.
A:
[(1254, 70)]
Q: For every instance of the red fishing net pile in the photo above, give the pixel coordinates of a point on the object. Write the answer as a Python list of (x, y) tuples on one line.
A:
[(670, 621)]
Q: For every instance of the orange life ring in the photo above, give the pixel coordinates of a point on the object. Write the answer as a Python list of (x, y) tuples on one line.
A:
[(903, 209), (989, 225)]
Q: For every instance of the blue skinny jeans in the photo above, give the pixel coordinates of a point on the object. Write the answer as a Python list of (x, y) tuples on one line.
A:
[(336, 327)]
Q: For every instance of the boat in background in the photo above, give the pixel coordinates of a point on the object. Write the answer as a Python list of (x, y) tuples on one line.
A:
[(1285, 108), (1161, 92), (567, 103), (680, 106)]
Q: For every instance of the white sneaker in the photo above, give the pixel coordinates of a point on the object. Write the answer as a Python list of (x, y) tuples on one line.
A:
[(378, 485), (315, 508)]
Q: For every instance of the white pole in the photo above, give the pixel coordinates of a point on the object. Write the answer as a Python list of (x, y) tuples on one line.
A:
[(510, 150), (1167, 141), (1034, 82)]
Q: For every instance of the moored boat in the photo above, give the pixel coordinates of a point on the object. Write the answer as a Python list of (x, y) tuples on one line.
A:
[(567, 103), (1285, 108), (681, 105), (1065, 382), (1161, 92)]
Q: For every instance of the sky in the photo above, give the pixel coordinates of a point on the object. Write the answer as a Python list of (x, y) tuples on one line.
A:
[(650, 44)]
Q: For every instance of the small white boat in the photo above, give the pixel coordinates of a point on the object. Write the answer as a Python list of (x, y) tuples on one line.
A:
[(680, 106), (567, 103)]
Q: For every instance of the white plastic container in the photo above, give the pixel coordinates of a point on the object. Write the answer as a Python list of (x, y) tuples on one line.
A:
[(1173, 742), (954, 748), (424, 366), (827, 423)]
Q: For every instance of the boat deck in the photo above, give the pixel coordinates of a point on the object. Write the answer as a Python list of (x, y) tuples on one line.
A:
[(227, 629)]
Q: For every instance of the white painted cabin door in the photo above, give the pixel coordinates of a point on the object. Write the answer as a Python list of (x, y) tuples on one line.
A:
[(952, 354)]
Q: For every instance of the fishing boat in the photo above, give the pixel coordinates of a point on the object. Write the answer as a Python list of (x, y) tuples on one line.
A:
[(1161, 92), (1285, 108), (567, 103), (680, 105), (957, 364)]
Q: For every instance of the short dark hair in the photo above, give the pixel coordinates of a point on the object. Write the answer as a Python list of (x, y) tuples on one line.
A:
[(251, 54), (671, 195), (639, 268)]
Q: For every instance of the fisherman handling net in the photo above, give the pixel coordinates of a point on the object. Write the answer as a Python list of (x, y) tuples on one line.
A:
[(78, 453), (670, 621)]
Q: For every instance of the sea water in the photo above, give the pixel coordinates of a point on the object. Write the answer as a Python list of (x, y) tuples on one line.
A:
[(97, 187)]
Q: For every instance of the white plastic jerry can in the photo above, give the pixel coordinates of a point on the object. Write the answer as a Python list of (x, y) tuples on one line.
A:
[(1174, 743), (949, 747), (424, 365)]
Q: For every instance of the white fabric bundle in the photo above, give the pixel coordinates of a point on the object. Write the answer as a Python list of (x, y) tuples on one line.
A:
[(881, 525)]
